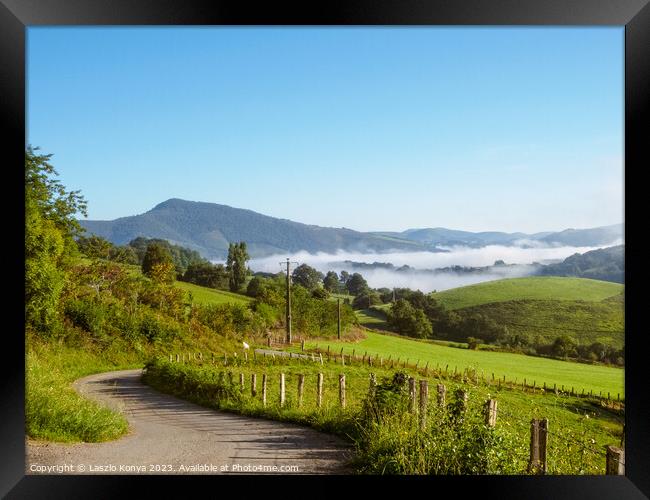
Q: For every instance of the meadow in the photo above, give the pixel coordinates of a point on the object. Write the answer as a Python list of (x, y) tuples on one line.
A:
[(515, 367), (531, 288)]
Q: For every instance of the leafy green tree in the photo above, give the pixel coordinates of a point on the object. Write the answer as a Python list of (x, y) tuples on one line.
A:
[(356, 284), (366, 299), (564, 346), (320, 293), (306, 276), (331, 282), (155, 254), (236, 265), (207, 274), (163, 272), (124, 254), (408, 320), (50, 229), (254, 286), (95, 247)]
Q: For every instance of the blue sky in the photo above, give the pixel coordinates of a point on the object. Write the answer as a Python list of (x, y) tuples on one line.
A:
[(511, 129)]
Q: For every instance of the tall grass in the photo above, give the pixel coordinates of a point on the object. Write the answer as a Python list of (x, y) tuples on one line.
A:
[(55, 411), (387, 436)]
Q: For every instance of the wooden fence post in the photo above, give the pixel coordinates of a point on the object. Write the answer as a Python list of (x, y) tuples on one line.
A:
[(615, 461), (491, 412), (372, 389), (319, 390), (241, 381), (264, 389), (253, 384), (424, 397), (178, 358), (302, 345), (321, 358), (342, 390), (538, 438), (412, 394), (442, 391), (301, 387), (281, 389)]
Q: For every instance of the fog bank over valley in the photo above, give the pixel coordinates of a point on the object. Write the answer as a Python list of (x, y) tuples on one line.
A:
[(519, 262)]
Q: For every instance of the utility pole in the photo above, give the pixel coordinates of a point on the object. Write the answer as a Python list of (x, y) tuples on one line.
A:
[(288, 326), (338, 318)]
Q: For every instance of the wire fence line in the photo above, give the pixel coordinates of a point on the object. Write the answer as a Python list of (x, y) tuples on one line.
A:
[(338, 386)]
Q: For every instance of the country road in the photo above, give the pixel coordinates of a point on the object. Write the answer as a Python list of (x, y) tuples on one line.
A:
[(172, 436)]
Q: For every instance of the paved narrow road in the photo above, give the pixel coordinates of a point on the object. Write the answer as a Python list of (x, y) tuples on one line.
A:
[(169, 435)]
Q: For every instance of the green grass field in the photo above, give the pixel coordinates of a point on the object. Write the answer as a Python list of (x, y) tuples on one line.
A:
[(532, 288), (203, 295), (372, 318), (513, 366)]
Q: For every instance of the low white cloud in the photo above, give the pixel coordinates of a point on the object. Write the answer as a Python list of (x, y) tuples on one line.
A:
[(523, 255)]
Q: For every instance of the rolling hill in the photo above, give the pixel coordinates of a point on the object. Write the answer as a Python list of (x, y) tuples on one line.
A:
[(530, 288), (606, 264)]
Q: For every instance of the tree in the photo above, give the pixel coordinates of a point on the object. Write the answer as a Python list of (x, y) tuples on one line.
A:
[(356, 284), (366, 299), (124, 254), (207, 274), (331, 282), (155, 254), (236, 265), (307, 277), (163, 272), (95, 247), (254, 286), (50, 229), (564, 346), (408, 320)]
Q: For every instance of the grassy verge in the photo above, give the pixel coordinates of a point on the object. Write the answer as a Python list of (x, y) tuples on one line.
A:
[(394, 443), (54, 410)]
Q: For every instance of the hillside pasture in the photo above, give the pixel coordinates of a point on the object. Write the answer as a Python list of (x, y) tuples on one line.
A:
[(530, 288)]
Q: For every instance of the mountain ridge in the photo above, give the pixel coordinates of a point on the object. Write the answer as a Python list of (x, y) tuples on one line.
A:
[(209, 227)]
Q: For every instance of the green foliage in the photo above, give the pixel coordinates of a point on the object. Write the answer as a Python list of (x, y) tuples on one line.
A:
[(366, 299), (254, 286), (236, 265), (355, 284), (155, 254), (181, 257), (408, 320), (95, 247), (307, 277), (50, 227), (206, 274), (331, 282)]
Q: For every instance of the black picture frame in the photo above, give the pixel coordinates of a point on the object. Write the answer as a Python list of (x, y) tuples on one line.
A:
[(17, 15)]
